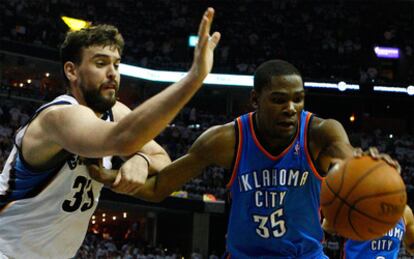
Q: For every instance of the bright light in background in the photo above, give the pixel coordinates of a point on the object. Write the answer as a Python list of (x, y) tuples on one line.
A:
[(21, 84), (385, 52), (192, 40), (410, 90), (103, 215), (93, 217), (381, 88), (103, 220), (342, 86), (75, 24), (391, 136), (114, 218), (47, 75), (352, 118), (243, 80), (124, 215), (93, 221), (29, 81)]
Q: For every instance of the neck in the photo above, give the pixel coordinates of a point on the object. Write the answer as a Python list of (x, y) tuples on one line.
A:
[(74, 91)]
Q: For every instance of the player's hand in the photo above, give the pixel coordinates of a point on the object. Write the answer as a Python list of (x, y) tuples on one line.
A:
[(99, 173), (204, 50), (131, 176), (375, 154)]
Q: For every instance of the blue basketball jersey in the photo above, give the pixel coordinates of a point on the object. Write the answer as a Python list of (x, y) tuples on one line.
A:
[(386, 247), (275, 199)]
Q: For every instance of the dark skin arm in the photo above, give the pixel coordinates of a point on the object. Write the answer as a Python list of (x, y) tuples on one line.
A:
[(329, 143), (213, 147)]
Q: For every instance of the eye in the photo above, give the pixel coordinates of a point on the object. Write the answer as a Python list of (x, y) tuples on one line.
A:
[(278, 100), (298, 99), (100, 63), (116, 66)]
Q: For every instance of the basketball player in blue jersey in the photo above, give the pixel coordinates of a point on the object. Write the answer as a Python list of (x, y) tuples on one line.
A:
[(46, 193), (278, 156), (388, 246)]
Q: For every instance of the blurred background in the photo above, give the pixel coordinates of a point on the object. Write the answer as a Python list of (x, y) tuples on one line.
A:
[(365, 44)]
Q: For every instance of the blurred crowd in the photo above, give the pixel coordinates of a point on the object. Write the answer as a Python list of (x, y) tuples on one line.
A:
[(97, 247), (325, 39), (190, 123)]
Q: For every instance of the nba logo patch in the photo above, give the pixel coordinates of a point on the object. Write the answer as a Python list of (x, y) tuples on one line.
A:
[(297, 148)]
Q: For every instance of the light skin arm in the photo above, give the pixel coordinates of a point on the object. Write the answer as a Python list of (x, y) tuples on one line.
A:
[(91, 137), (156, 155), (134, 172), (409, 230)]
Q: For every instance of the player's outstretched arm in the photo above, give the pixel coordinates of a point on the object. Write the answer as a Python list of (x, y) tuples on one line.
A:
[(213, 147), (409, 230), (93, 138)]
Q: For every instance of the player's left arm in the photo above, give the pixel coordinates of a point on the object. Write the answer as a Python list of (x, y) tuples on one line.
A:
[(409, 230), (329, 143)]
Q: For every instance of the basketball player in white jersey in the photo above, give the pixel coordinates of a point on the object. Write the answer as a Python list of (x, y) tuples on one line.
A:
[(46, 193)]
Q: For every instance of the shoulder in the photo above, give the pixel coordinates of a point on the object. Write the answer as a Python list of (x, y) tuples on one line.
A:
[(218, 135), (120, 110), (217, 144), (324, 131), (321, 126)]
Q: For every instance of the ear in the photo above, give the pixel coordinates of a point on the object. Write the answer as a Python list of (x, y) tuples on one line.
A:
[(70, 71), (254, 99)]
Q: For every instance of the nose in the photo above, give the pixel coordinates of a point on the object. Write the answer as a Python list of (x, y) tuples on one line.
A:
[(111, 72), (290, 109)]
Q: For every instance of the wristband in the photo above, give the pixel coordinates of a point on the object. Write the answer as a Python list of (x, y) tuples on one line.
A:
[(146, 158)]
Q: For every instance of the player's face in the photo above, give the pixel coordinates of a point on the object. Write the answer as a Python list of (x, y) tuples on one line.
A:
[(99, 77), (279, 105)]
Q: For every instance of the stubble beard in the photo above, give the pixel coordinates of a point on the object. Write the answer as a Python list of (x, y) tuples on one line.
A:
[(96, 101)]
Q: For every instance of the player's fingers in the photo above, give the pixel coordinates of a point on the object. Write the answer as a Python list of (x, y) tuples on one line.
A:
[(117, 182), (210, 17), (373, 152), (214, 40), (358, 152), (203, 24)]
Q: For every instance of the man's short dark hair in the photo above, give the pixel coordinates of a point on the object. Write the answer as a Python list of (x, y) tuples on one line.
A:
[(277, 67), (100, 35)]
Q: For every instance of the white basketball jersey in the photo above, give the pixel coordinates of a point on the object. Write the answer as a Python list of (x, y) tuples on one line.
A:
[(45, 214)]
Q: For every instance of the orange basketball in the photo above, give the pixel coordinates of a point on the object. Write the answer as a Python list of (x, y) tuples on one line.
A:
[(363, 198)]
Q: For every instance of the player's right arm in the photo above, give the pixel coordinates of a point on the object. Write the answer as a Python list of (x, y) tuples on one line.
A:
[(409, 230), (214, 147)]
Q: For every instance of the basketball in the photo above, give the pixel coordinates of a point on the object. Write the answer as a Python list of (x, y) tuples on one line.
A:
[(363, 198)]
